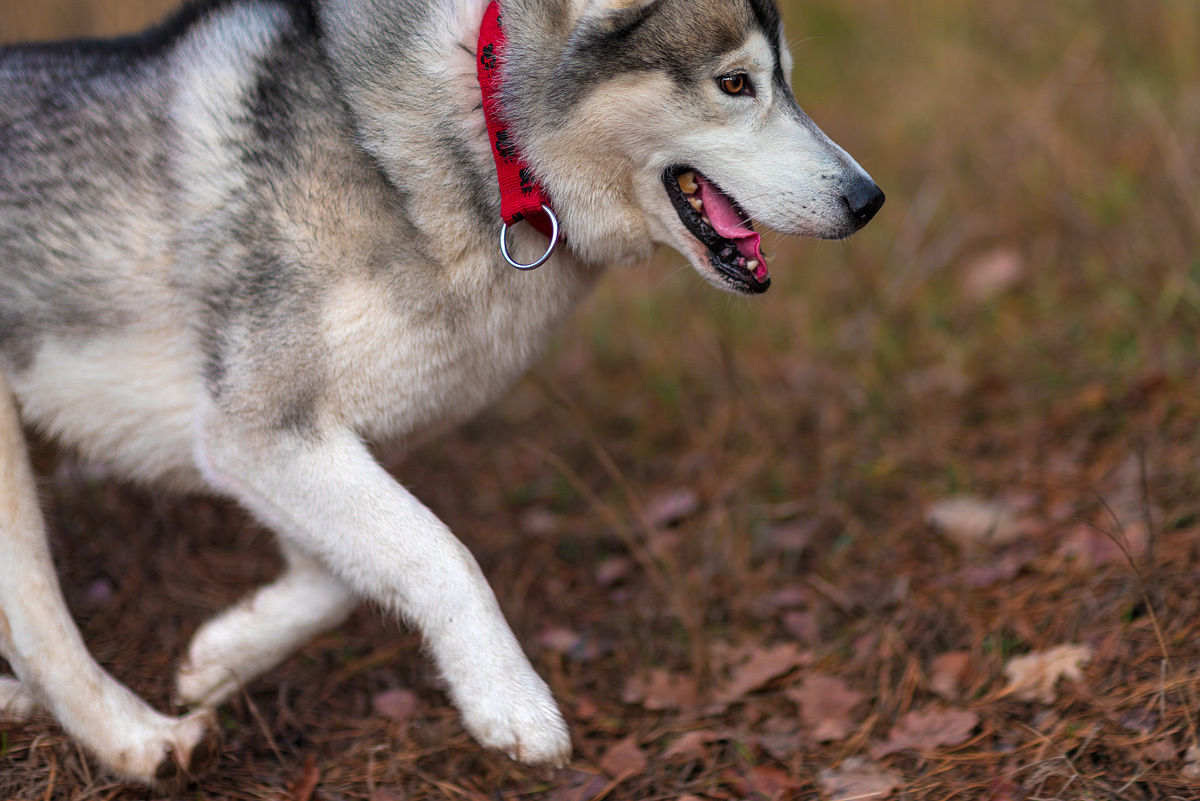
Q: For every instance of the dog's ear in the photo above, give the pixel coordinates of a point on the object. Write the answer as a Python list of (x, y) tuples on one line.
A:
[(612, 15)]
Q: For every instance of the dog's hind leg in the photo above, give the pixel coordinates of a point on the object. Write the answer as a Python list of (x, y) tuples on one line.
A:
[(45, 649), (14, 701), (258, 633), (325, 492)]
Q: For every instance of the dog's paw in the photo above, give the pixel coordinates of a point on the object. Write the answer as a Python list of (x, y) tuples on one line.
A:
[(190, 753), (519, 718), (15, 703), (219, 660), (161, 752), (204, 682)]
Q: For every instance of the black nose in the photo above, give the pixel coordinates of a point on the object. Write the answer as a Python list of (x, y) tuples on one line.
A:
[(864, 201)]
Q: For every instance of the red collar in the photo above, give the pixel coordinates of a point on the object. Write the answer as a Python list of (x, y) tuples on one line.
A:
[(521, 197)]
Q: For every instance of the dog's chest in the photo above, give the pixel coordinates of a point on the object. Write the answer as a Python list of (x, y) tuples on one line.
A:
[(405, 367)]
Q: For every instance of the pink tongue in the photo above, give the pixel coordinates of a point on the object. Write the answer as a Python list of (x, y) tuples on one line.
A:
[(729, 223)]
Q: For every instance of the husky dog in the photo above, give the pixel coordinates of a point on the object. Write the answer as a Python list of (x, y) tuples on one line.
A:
[(236, 249)]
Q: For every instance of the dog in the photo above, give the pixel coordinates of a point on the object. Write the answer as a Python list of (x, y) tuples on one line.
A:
[(239, 247)]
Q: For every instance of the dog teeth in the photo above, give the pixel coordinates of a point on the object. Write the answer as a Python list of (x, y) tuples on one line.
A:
[(696, 202), (752, 265), (687, 182), (707, 221)]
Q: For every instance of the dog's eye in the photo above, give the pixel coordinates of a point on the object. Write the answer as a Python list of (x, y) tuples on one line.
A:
[(736, 83)]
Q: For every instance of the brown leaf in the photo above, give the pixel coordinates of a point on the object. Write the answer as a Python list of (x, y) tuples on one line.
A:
[(559, 640), (691, 745), (997, 568), (660, 689), (792, 537), (302, 789), (825, 704), (384, 794), (1163, 750), (927, 730), (625, 758), (764, 665), (1033, 676), (948, 673), (972, 521), (395, 705), (991, 273), (1001, 789), (857, 778), (802, 626), (1191, 763), (578, 786), (766, 781), (780, 737), (612, 570), (1092, 547), (671, 507)]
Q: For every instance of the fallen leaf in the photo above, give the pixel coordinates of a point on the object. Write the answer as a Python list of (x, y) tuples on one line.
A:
[(948, 673), (612, 570), (578, 786), (1163, 750), (384, 794), (825, 704), (1033, 676), (792, 537), (929, 729), (998, 568), (540, 522), (559, 640), (625, 758), (395, 705), (766, 781), (586, 708), (302, 789), (780, 737), (692, 745), (660, 689), (1091, 547), (1001, 789), (671, 507), (857, 778), (764, 665), (802, 626), (991, 273), (1143, 720), (570, 644), (972, 521), (1191, 763), (784, 598)]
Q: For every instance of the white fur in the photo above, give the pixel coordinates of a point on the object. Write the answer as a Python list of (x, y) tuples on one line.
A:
[(388, 547), (44, 647), (252, 637)]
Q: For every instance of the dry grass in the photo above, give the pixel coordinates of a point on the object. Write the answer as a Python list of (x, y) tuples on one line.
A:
[(1020, 323)]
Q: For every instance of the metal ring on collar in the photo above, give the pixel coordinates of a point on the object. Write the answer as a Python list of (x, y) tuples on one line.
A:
[(545, 256)]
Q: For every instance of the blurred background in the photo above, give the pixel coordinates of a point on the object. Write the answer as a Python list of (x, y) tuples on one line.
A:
[(690, 478)]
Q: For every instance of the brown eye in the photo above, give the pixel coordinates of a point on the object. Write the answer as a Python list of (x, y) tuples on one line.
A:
[(735, 84)]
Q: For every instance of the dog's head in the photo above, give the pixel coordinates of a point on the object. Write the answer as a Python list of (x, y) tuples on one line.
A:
[(673, 122)]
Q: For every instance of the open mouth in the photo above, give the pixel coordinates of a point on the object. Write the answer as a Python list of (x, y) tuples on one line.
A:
[(716, 220)]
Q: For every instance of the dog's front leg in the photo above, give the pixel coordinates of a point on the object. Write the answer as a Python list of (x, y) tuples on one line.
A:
[(326, 493)]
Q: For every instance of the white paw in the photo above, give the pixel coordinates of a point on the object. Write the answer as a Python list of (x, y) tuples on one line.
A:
[(519, 717), (15, 703), (205, 678), (167, 754)]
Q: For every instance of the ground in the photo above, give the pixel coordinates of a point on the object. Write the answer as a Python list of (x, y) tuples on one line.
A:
[(920, 523)]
